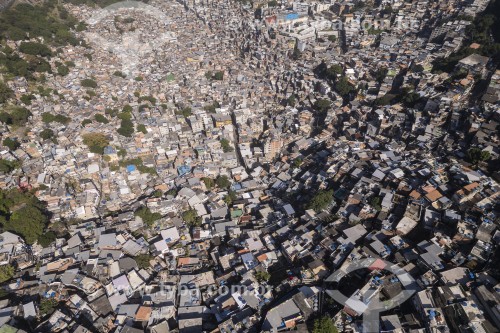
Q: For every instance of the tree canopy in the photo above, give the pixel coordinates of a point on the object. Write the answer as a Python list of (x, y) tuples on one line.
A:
[(143, 261), (230, 197), (209, 182), (191, 218), (343, 86), (23, 214), (262, 276), (126, 126), (142, 128), (22, 21), (324, 325), (147, 216), (5, 92), (333, 71), (88, 83), (100, 118), (6, 273), (34, 48), (321, 200), (222, 181), (12, 144), (46, 238), (226, 145), (15, 115), (96, 142), (322, 105), (48, 118), (47, 134), (47, 306), (8, 166), (476, 155)]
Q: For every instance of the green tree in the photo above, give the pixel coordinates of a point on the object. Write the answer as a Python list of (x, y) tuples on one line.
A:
[(334, 71), (297, 162), (476, 155), (418, 68), (96, 142), (226, 146), (322, 105), (143, 261), (148, 217), (47, 134), (48, 117), (86, 121), (262, 276), (324, 325), (384, 100), (219, 76), (185, 111), (142, 128), (126, 128), (5, 92), (209, 182), (88, 83), (46, 238), (150, 99), (321, 200), (191, 218), (380, 74), (12, 144), (291, 101), (119, 74), (230, 197), (6, 273), (375, 203), (26, 99), (125, 115), (7, 166), (332, 38), (47, 306), (101, 118), (111, 112), (15, 115), (157, 193), (343, 86), (28, 222), (485, 155), (222, 182), (122, 153), (35, 49), (409, 99)]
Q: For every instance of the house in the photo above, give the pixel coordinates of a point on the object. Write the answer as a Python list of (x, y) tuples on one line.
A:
[(474, 63), (283, 317), (355, 233), (221, 120), (405, 225), (191, 319), (467, 192), (170, 235), (188, 264), (318, 268)]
